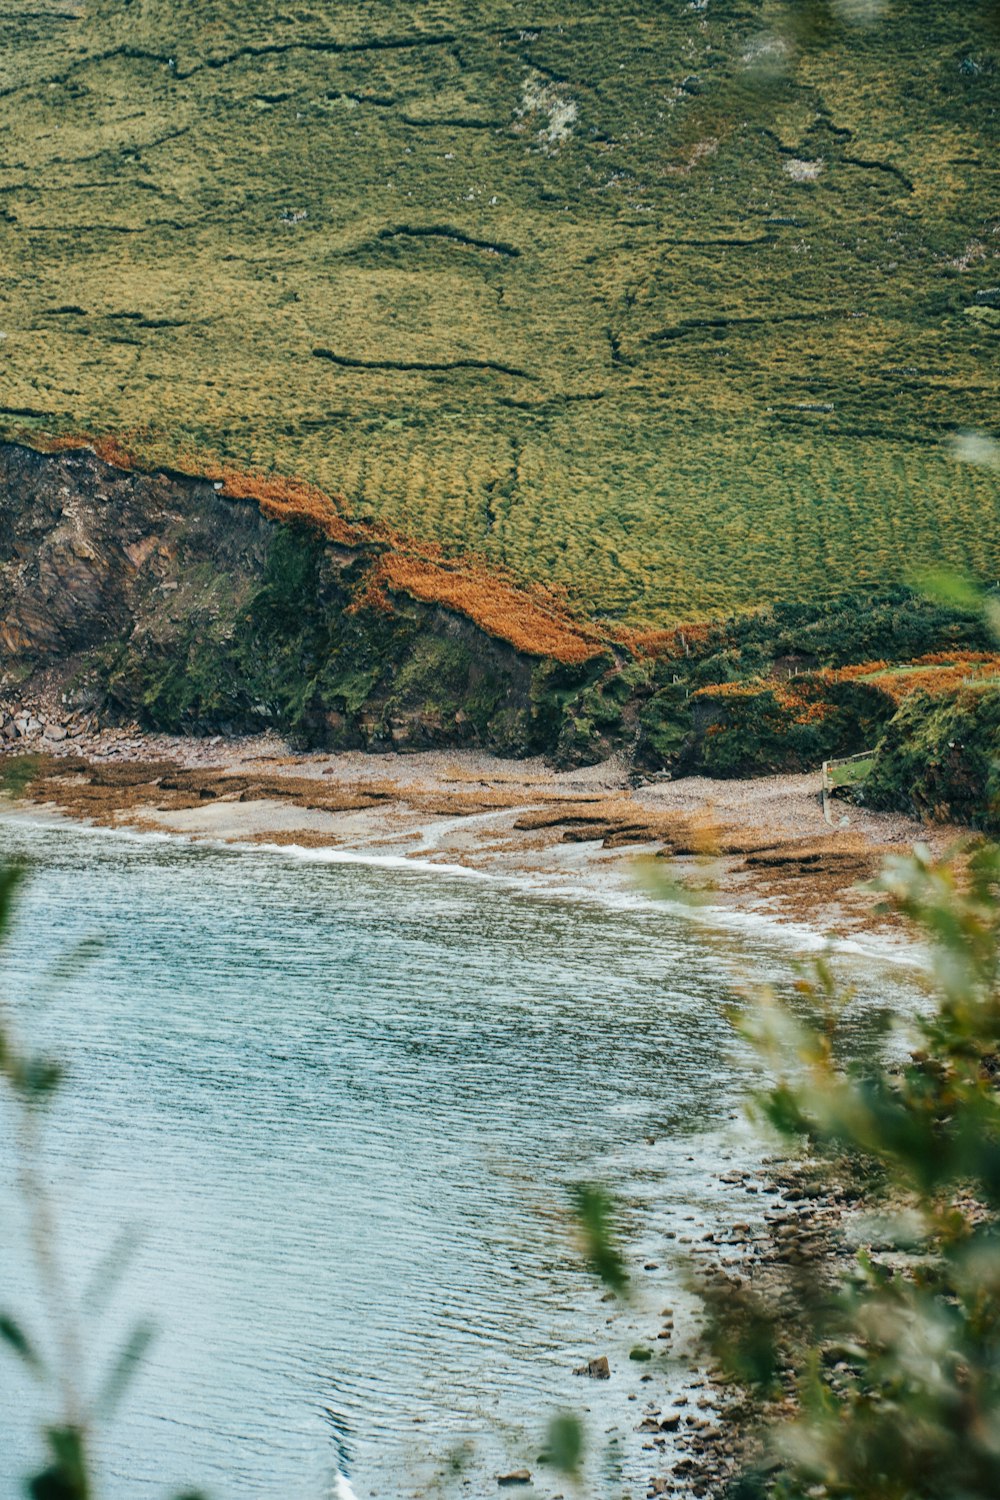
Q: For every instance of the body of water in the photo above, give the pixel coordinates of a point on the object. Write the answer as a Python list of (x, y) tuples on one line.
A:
[(336, 1109)]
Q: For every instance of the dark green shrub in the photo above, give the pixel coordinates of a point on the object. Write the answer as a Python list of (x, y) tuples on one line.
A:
[(940, 758)]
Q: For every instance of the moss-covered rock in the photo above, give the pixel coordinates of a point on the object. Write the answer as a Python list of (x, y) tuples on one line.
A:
[(792, 725), (666, 723), (170, 604), (601, 719), (940, 758)]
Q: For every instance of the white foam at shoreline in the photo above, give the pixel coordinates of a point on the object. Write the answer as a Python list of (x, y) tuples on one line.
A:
[(799, 937)]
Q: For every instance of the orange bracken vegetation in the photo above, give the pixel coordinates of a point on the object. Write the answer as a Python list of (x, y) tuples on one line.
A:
[(802, 697), (803, 700), (668, 645), (283, 499), (495, 605), (936, 673), (749, 688)]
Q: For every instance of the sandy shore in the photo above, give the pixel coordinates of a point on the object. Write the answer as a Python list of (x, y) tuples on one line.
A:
[(759, 846)]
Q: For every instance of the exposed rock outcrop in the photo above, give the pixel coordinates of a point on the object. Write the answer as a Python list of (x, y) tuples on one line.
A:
[(156, 597)]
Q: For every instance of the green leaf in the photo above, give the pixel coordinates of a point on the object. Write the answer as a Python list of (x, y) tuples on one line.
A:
[(564, 1443), (10, 878), (54, 1484), (15, 1338), (38, 1078), (595, 1215), (122, 1370), (109, 1270), (66, 1477)]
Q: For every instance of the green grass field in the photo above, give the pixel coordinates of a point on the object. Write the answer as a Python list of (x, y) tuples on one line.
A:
[(625, 297)]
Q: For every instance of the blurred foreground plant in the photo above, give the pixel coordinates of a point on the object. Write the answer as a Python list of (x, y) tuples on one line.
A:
[(30, 1083), (890, 1374)]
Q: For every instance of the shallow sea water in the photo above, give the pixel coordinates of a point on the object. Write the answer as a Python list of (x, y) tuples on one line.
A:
[(336, 1107)]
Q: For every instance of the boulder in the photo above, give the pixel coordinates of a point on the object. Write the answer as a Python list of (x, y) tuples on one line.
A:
[(597, 1369)]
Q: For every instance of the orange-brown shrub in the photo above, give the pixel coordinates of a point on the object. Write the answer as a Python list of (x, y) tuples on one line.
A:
[(668, 645), (803, 698), (936, 673), (502, 610), (283, 499)]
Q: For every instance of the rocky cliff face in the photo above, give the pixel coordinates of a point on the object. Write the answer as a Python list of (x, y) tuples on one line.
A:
[(90, 555), (156, 598), (152, 596)]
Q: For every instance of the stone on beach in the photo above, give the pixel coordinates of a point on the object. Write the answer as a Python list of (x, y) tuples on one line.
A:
[(597, 1369)]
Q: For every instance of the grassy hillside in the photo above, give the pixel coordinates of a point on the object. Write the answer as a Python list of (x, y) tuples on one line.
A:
[(644, 300)]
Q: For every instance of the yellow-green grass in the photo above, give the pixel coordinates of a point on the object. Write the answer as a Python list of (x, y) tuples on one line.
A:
[(589, 291), (849, 773)]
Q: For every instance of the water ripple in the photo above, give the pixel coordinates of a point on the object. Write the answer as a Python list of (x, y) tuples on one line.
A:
[(339, 1105)]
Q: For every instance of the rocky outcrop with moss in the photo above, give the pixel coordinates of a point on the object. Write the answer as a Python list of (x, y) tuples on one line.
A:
[(153, 596), (161, 598), (940, 758)]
